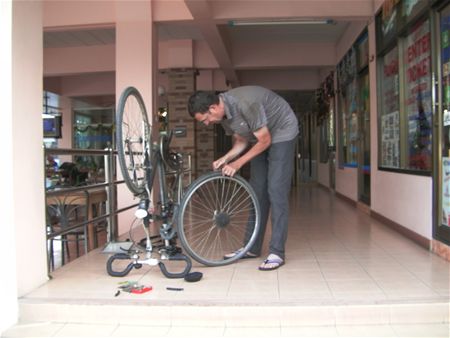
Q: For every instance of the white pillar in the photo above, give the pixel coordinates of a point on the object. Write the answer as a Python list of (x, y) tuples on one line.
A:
[(22, 170), (8, 286), (28, 159)]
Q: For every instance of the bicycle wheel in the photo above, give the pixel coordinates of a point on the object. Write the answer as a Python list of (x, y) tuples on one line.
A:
[(133, 138), (218, 215)]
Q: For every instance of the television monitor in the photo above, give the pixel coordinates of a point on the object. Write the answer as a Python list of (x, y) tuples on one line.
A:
[(52, 126)]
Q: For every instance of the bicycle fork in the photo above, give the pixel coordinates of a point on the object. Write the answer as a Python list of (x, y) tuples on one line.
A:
[(137, 263)]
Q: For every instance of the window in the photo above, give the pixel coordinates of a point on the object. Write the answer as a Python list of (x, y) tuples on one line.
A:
[(352, 100), (325, 116), (348, 120), (405, 100), (390, 111), (417, 96)]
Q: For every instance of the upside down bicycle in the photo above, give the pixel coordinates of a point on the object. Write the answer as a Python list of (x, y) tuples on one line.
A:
[(212, 217)]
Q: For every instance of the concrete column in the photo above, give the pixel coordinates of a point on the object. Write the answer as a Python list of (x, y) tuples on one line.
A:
[(28, 159), (136, 65), (8, 286), (22, 169)]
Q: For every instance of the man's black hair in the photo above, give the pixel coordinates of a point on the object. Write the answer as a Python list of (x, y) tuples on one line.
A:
[(200, 101)]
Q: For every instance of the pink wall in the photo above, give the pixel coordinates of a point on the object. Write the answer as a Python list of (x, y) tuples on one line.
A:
[(76, 13), (290, 79), (75, 60), (176, 54), (88, 84), (259, 54), (287, 8), (203, 56), (211, 79)]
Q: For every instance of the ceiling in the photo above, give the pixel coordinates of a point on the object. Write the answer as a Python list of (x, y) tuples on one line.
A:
[(219, 36), (188, 30)]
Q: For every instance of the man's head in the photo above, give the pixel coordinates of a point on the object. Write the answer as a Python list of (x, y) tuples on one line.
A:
[(206, 107)]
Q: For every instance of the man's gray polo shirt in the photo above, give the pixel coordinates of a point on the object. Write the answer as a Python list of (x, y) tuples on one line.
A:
[(250, 108)]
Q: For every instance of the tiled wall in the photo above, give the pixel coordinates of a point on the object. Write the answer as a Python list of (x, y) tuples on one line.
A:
[(204, 148), (199, 139), (181, 86)]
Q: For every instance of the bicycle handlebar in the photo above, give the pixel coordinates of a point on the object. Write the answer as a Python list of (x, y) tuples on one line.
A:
[(137, 265), (122, 273), (177, 257)]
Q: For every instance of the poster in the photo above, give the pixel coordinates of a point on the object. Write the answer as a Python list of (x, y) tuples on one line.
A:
[(390, 139), (390, 118), (417, 60), (445, 191)]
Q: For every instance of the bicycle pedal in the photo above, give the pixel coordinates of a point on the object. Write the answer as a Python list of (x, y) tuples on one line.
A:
[(173, 250)]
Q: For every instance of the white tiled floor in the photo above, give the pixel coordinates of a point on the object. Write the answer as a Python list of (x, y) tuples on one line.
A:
[(346, 274)]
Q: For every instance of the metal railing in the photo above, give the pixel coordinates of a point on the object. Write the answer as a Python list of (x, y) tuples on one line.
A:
[(109, 184)]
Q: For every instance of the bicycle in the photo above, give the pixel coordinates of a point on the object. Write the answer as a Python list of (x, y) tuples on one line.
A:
[(214, 216)]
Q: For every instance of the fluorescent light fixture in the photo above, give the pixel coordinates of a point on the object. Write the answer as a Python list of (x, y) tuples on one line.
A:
[(275, 22)]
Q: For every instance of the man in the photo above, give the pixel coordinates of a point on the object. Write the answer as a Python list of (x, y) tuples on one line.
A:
[(260, 118)]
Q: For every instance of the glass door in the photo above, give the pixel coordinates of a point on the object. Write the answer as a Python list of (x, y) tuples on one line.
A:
[(442, 170)]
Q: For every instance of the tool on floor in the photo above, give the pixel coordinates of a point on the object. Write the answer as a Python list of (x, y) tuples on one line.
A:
[(174, 289), (193, 277), (133, 287)]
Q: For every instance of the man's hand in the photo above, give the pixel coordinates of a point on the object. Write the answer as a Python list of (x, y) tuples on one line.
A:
[(227, 169), (218, 164), (230, 169)]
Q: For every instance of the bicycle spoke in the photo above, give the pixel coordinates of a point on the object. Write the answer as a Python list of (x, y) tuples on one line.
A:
[(133, 139), (217, 217)]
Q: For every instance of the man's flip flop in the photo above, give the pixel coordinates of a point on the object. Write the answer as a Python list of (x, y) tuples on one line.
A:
[(274, 263), (246, 256)]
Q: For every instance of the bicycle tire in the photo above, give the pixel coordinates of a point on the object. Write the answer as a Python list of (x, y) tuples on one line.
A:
[(133, 139), (218, 215)]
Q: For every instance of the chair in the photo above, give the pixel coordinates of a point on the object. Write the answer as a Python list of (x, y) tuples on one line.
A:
[(72, 175), (102, 225), (63, 213)]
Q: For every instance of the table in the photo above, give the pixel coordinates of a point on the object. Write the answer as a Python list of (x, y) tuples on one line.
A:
[(93, 197)]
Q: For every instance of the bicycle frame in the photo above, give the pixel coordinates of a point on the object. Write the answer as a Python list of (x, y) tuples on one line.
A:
[(207, 231), (157, 162), (168, 206)]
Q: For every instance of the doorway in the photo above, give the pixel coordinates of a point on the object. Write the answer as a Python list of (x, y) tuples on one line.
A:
[(441, 133), (364, 139)]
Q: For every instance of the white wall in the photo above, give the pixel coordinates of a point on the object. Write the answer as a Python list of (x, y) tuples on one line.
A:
[(323, 173), (8, 285), (27, 147), (404, 199), (22, 170)]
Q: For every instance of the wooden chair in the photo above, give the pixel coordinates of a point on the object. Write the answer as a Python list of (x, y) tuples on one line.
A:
[(63, 214)]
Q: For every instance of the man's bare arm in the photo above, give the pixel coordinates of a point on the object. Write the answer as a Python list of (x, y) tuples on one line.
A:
[(239, 145), (264, 141)]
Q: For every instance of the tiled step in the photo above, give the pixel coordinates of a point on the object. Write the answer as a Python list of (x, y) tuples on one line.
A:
[(231, 315)]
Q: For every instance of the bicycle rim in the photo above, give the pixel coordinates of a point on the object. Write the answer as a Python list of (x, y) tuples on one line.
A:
[(133, 139), (218, 215)]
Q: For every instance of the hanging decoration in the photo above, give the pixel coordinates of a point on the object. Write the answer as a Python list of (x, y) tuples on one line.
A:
[(324, 95)]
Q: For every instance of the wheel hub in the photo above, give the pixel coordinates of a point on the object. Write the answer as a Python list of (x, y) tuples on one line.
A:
[(222, 219)]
